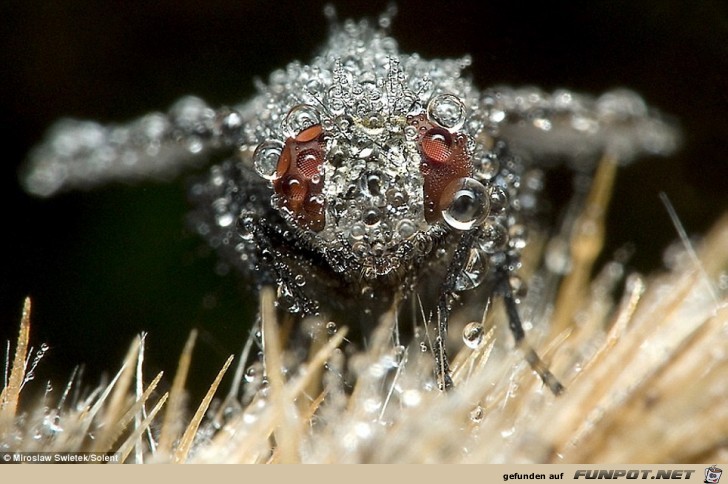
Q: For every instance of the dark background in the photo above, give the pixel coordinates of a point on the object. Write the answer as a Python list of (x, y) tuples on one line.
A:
[(104, 265)]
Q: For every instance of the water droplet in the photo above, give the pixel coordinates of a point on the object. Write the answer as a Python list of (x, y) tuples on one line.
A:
[(423, 347), (498, 200), (518, 286), (299, 280), (371, 183), (474, 272), (488, 169), (495, 236), (264, 388), (411, 397), (518, 235), (357, 231), (372, 217), (194, 144), (331, 328), (473, 333), (447, 110), (410, 132), (225, 219), (344, 123), (299, 118), (405, 228), (254, 372), (467, 203), (476, 415), (231, 122), (265, 158)]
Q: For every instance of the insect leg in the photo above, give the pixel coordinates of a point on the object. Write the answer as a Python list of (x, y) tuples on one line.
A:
[(516, 327), (444, 304), (574, 128), (273, 258), (83, 154)]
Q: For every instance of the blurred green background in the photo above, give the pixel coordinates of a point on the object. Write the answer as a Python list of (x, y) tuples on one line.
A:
[(104, 265)]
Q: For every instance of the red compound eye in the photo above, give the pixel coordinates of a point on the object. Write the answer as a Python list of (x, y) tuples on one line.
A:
[(298, 178), (294, 190), (437, 145), (308, 162), (444, 159)]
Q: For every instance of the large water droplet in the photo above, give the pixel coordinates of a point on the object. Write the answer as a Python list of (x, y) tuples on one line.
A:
[(265, 158), (299, 118), (474, 271), (447, 110), (473, 334), (467, 203)]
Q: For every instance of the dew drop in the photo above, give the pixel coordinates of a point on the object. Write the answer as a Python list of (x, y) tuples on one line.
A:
[(397, 197), (518, 286), (372, 217), (473, 334), (225, 219), (488, 169), (299, 118), (357, 231), (410, 132), (331, 328), (476, 415), (495, 237), (447, 110), (518, 235), (405, 228), (467, 203), (411, 397), (194, 145), (265, 158), (474, 271), (254, 373), (498, 200)]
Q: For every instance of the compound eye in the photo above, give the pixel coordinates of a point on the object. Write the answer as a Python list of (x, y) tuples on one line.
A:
[(309, 162), (298, 179), (437, 145), (445, 159)]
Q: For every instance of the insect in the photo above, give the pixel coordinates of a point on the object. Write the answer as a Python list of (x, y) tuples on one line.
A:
[(366, 176)]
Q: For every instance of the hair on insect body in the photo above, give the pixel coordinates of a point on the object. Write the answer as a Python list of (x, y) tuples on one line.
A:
[(367, 177)]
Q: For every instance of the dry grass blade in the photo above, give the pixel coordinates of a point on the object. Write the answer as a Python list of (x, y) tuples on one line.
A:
[(131, 442), (286, 434), (172, 416), (119, 398), (182, 450), (116, 428), (11, 394), (645, 376)]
